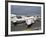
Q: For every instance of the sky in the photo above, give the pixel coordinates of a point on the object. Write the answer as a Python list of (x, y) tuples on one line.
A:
[(26, 10)]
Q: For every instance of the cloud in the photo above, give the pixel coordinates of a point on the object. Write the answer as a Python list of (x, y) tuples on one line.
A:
[(26, 10)]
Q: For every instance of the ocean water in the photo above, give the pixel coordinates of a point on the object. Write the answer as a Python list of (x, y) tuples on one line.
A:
[(26, 10)]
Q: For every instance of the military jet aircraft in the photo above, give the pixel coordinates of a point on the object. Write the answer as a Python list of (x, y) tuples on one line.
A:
[(21, 19)]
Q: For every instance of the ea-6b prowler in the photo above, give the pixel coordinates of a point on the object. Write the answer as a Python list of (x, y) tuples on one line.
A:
[(21, 19)]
